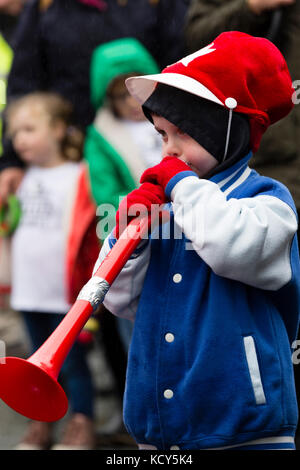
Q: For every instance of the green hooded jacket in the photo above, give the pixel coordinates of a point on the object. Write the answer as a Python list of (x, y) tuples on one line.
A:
[(113, 162)]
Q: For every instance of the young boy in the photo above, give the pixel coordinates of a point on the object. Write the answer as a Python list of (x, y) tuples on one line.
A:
[(215, 310)]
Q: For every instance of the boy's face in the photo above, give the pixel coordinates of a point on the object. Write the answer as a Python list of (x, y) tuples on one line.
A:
[(178, 144)]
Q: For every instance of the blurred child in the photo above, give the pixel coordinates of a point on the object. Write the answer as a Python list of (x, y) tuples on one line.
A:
[(119, 146), (215, 299), (121, 143), (58, 220)]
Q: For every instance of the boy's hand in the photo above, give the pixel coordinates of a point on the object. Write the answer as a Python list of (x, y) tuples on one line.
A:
[(162, 173), (138, 202)]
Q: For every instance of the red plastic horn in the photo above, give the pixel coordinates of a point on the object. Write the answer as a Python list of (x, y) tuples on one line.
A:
[(30, 386)]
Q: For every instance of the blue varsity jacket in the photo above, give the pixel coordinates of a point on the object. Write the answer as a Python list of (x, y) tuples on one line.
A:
[(214, 296)]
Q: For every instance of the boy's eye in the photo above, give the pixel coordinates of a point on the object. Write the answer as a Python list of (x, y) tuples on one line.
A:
[(162, 134)]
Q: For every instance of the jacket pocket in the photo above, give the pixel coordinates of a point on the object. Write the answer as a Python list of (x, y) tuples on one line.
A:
[(254, 371)]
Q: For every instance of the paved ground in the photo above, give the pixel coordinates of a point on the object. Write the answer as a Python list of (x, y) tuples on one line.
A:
[(110, 432), (13, 425)]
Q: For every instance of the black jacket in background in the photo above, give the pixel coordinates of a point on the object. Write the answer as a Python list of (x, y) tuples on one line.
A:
[(53, 47)]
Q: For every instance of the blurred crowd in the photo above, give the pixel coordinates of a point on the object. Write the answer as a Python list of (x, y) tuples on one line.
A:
[(74, 142)]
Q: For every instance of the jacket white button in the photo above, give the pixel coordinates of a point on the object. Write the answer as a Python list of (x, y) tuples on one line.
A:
[(174, 448), (169, 337), (168, 393), (177, 278)]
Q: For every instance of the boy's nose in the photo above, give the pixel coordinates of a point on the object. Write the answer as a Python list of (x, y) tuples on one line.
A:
[(172, 149)]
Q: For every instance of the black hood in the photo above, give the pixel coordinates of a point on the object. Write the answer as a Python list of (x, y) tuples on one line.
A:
[(205, 121)]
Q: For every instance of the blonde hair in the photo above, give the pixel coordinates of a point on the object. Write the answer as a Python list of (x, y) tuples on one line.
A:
[(59, 110)]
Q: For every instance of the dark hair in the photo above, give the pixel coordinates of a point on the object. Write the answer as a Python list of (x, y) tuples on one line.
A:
[(59, 110), (109, 92)]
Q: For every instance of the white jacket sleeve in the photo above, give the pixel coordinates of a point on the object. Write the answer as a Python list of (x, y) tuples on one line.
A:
[(247, 240), (123, 295)]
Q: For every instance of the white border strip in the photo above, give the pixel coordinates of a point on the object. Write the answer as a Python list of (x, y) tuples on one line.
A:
[(264, 440), (253, 366), (228, 178), (239, 181)]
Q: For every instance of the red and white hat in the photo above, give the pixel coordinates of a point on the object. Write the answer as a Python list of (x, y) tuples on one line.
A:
[(238, 71)]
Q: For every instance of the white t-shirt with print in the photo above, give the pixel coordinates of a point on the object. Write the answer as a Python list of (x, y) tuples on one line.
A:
[(39, 242)]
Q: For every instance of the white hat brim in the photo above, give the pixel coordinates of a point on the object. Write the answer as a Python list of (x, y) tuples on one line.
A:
[(143, 86)]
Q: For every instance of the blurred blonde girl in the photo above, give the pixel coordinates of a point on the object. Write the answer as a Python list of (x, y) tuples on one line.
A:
[(57, 223)]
